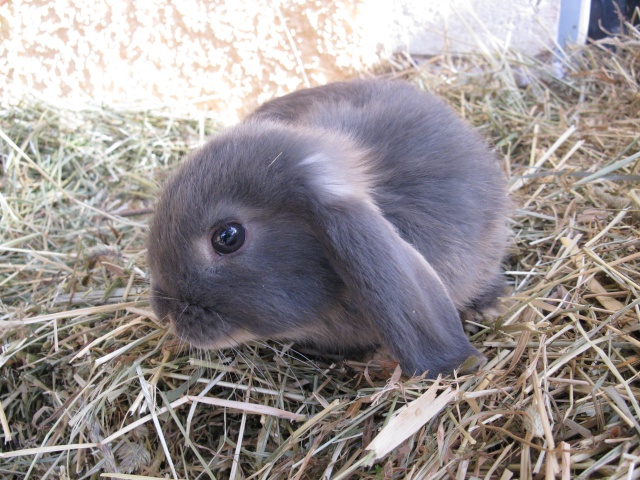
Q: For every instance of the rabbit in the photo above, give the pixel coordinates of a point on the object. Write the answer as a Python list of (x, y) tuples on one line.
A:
[(346, 216)]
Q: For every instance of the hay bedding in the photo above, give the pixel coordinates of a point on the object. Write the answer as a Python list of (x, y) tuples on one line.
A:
[(91, 383)]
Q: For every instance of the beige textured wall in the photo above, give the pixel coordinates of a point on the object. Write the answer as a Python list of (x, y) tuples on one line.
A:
[(228, 56), (225, 55)]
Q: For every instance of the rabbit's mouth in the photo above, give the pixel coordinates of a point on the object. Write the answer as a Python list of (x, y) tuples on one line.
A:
[(199, 326), (205, 328)]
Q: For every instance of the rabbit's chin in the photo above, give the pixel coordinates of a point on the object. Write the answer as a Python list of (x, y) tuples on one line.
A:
[(220, 335), (230, 339)]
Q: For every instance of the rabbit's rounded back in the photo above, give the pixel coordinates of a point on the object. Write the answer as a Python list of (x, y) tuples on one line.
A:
[(373, 214), (435, 178)]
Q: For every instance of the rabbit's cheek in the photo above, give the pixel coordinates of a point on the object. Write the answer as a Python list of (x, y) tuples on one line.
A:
[(204, 252)]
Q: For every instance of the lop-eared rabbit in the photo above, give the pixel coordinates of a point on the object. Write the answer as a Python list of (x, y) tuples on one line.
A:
[(346, 216)]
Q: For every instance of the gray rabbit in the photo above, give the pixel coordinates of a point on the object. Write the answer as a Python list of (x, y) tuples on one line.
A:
[(345, 216)]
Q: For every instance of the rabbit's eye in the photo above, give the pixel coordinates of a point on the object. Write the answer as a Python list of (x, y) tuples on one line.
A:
[(228, 238)]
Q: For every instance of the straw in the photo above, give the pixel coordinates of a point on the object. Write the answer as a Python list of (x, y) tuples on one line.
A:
[(91, 383)]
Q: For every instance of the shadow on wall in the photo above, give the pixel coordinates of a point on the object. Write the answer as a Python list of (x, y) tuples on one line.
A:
[(607, 17)]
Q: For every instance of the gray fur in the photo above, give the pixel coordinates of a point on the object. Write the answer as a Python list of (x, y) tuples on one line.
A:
[(373, 215)]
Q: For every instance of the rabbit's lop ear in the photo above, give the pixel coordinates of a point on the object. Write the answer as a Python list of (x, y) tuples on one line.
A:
[(391, 282)]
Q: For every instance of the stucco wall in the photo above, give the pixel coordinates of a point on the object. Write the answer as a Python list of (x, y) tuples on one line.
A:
[(229, 56)]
